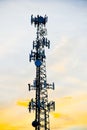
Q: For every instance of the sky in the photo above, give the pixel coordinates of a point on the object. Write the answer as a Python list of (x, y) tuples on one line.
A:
[(66, 62)]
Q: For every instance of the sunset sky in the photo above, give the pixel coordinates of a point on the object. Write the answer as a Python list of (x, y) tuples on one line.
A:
[(66, 62)]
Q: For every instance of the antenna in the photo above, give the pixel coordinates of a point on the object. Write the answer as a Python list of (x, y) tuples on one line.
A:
[(40, 104)]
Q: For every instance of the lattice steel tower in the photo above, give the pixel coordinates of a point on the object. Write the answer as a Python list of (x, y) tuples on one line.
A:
[(40, 104)]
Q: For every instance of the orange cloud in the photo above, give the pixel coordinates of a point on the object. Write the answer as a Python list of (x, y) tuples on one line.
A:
[(57, 115), (23, 103)]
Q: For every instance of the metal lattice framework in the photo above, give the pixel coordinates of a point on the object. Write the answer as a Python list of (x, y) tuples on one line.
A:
[(40, 104)]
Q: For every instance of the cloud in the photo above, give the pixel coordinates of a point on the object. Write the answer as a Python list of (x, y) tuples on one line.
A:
[(23, 103), (58, 67)]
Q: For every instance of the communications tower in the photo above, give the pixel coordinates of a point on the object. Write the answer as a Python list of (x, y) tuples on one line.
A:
[(40, 104)]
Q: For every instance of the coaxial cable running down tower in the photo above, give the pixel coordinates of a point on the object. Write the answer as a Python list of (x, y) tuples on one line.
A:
[(40, 104)]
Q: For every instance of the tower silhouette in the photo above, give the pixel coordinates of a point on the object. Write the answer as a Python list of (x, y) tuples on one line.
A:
[(40, 104)]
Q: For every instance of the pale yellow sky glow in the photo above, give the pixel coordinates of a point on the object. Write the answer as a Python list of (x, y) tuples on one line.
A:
[(69, 112)]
